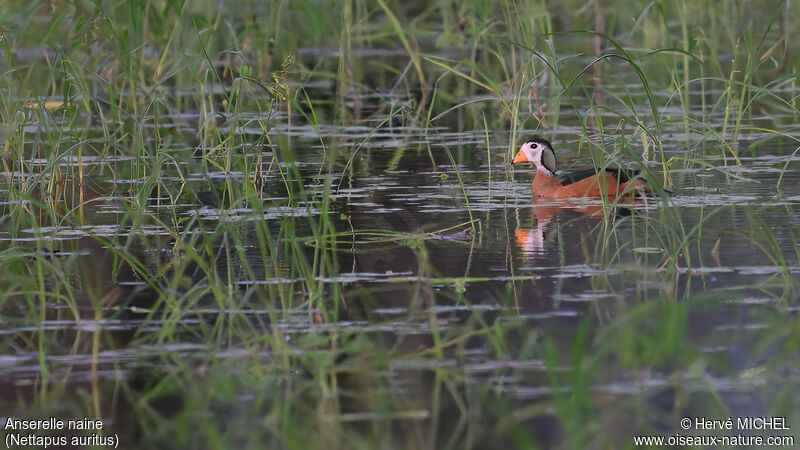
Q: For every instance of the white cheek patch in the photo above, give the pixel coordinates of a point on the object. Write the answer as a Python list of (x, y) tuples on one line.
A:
[(536, 155), (529, 152)]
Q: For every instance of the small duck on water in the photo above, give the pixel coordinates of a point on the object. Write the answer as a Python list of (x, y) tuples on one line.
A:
[(579, 183)]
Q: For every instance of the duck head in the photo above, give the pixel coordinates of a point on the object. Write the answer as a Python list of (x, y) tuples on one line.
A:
[(540, 152)]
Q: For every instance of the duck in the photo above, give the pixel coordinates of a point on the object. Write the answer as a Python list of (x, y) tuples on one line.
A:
[(580, 183)]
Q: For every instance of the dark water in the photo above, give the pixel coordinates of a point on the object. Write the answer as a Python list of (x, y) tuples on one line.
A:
[(503, 321)]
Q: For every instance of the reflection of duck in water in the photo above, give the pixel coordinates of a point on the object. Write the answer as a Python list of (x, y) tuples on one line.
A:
[(580, 183), (532, 240)]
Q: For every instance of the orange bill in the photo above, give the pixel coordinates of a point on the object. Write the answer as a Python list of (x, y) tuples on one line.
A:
[(520, 158)]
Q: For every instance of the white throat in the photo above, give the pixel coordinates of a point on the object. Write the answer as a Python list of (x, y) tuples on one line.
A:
[(544, 171)]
